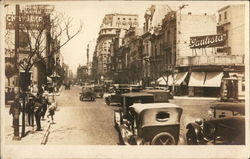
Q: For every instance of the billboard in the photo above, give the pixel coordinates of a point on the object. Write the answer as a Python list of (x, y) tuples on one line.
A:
[(207, 41)]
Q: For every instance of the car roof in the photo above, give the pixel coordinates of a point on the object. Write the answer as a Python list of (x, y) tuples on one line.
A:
[(133, 94), (154, 90), (239, 107), (138, 107)]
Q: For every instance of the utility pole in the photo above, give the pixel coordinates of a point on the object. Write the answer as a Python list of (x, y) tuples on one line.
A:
[(17, 88)]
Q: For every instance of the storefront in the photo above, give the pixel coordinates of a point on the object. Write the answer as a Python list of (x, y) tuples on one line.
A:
[(205, 84)]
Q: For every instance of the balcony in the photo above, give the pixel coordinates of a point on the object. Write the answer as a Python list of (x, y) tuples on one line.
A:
[(211, 60)]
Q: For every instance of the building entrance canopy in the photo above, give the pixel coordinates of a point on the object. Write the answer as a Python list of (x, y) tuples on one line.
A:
[(177, 80), (205, 79)]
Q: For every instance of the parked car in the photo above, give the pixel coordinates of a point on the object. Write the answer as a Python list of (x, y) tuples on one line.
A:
[(142, 122), (99, 91), (225, 127), (159, 95), (87, 93), (115, 98)]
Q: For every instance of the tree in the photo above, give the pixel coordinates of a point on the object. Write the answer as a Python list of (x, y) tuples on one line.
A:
[(42, 38)]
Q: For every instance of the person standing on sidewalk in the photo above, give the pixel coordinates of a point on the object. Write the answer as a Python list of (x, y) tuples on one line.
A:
[(30, 111), (15, 110), (38, 112), (44, 106)]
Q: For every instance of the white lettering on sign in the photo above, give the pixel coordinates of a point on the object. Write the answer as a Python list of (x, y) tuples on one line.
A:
[(207, 41)]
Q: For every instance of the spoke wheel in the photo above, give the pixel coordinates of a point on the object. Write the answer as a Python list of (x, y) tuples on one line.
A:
[(191, 137), (163, 138)]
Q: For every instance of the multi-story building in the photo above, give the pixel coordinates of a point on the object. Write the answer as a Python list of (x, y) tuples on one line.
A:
[(28, 30), (181, 58), (232, 23), (111, 24), (128, 57), (203, 56), (151, 32)]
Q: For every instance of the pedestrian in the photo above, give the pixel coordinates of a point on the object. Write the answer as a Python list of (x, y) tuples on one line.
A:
[(38, 112), (44, 106), (30, 111), (15, 110), (51, 113)]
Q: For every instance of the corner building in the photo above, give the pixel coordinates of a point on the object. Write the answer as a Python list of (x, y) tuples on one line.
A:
[(111, 25)]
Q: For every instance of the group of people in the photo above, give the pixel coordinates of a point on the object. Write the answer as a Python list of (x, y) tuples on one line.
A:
[(36, 107)]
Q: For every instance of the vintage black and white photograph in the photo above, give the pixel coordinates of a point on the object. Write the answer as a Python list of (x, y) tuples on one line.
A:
[(120, 73)]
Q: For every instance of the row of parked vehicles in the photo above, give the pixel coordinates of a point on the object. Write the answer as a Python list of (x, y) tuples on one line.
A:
[(90, 92), (145, 117)]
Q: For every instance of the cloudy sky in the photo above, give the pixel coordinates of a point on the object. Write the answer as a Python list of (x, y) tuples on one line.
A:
[(91, 14)]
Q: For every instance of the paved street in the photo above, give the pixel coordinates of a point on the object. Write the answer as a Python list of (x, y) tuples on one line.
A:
[(82, 122), (91, 123)]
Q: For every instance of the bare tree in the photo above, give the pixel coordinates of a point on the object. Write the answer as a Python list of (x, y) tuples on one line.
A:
[(42, 39)]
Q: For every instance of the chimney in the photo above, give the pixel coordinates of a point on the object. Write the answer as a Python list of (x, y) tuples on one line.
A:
[(189, 13)]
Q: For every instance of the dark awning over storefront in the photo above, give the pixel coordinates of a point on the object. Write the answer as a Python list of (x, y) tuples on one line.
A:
[(205, 79)]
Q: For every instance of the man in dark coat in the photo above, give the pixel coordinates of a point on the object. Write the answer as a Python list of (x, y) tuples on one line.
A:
[(15, 110), (44, 106), (38, 112), (30, 111)]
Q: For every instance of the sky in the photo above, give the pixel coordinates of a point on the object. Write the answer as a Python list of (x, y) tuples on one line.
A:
[(91, 14)]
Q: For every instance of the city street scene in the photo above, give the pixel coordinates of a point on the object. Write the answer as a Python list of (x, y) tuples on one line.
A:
[(125, 73)]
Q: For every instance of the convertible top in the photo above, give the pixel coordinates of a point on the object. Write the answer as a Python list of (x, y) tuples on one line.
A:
[(138, 108), (131, 94)]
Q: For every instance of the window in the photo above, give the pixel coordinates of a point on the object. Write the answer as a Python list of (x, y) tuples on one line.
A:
[(118, 18), (123, 18), (225, 15), (219, 17), (162, 116)]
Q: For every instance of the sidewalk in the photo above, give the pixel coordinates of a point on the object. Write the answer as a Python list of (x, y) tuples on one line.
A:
[(185, 100), (32, 137)]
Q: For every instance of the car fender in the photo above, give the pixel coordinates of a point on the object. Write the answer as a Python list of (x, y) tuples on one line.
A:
[(196, 127)]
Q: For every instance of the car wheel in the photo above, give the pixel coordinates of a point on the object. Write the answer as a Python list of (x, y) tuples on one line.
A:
[(163, 138), (191, 137)]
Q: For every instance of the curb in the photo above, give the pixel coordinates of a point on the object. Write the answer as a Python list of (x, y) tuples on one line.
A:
[(46, 135)]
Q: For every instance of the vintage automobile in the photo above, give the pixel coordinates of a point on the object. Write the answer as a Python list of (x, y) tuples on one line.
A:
[(115, 98), (142, 122), (226, 126), (159, 95), (99, 91), (87, 93)]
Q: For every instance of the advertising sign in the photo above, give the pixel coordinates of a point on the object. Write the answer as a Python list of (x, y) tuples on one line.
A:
[(26, 21), (207, 41)]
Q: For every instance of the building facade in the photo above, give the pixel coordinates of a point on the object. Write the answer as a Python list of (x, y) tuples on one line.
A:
[(111, 24)]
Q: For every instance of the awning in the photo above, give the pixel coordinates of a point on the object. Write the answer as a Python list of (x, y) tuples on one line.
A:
[(205, 79), (197, 79), (162, 80), (180, 78), (213, 79)]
